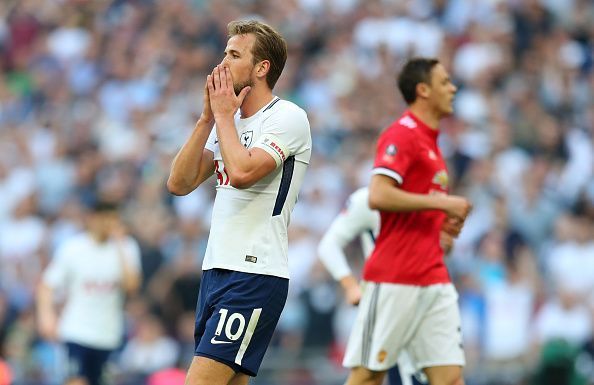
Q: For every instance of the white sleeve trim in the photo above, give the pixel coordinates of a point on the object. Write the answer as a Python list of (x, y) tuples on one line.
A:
[(387, 172)]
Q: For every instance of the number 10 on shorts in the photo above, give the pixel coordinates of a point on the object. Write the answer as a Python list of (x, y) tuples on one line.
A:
[(233, 332)]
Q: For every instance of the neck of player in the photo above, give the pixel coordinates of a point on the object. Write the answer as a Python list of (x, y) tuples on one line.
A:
[(427, 115), (257, 98)]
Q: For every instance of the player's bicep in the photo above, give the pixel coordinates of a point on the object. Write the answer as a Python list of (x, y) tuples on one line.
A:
[(262, 164), (349, 224), (206, 169), (380, 191)]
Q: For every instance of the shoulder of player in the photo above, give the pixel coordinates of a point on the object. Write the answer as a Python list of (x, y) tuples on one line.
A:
[(284, 108), (358, 201), (74, 244), (360, 196), (131, 242), (402, 132)]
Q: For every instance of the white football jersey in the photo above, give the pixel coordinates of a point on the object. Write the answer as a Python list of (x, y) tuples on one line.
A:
[(356, 219), (249, 226), (90, 273)]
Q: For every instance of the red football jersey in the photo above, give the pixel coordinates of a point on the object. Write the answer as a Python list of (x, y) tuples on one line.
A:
[(407, 249)]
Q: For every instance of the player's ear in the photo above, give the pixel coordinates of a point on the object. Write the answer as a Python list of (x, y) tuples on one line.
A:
[(423, 90), (262, 68)]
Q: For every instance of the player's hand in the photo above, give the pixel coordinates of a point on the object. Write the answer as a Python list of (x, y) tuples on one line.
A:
[(446, 241), (452, 226), (207, 115), (352, 289), (223, 100), (457, 207)]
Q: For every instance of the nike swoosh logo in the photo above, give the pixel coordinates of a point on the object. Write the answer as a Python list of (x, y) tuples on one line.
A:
[(216, 141), (215, 342)]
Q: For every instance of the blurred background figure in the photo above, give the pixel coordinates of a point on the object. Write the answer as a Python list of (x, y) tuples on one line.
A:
[(96, 97), (94, 271)]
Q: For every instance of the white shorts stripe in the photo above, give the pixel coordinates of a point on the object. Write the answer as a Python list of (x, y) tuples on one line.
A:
[(248, 335)]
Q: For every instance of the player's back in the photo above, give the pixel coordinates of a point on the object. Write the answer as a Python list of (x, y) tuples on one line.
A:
[(407, 249)]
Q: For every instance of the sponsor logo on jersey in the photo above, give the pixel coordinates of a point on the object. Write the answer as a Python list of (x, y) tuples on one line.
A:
[(246, 138), (408, 122), (251, 258), (441, 179)]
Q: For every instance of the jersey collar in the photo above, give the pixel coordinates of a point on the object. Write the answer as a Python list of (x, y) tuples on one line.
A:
[(261, 110), (425, 129)]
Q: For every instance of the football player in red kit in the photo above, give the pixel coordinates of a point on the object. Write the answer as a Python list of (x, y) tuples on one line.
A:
[(408, 300)]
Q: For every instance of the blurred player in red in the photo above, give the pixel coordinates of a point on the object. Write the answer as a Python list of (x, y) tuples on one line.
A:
[(358, 220), (408, 301)]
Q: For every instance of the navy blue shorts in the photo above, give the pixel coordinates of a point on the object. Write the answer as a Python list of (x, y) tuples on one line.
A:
[(86, 362), (236, 316)]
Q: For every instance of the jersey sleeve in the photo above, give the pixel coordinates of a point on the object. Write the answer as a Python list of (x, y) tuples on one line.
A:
[(132, 254), (285, 133), (394, 154), (354, 219), (56, 273), (212, 140)]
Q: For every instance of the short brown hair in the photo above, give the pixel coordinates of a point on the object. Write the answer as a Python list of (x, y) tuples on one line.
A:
[(269, 45)]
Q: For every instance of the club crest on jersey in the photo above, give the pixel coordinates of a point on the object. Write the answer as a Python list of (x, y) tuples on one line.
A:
[(246, 138), (381, 356), (390, 152), (441, 179)]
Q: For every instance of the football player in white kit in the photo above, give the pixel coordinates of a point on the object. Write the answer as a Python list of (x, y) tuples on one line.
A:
[(358, 220), (259, 150), (95, 269)]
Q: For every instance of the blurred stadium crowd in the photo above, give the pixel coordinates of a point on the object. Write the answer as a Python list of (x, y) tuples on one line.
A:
[(97, 96)]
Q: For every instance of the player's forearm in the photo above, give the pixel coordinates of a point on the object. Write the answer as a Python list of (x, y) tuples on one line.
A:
[(186, 167), (386, 196), (131, 279), (44, 304), (238, 159)]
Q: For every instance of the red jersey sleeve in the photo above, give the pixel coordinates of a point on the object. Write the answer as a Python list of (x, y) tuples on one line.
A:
[(394, 153)]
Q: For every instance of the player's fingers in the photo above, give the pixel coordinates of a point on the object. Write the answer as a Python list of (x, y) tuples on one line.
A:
[(209, 84), (229, 78), (243, 94), (223, 72), (217, 78)]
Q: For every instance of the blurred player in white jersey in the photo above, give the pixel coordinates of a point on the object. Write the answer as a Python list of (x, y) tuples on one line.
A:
[(95, 269), (259, 149), (358, 220)]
